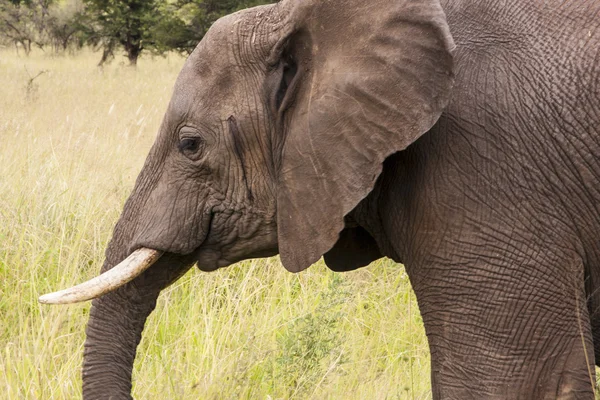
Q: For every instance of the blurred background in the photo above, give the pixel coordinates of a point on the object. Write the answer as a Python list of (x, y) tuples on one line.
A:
[(76, 123)]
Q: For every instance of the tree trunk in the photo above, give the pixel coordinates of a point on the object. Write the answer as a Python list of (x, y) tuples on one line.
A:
[(133, 52), (107, 52)]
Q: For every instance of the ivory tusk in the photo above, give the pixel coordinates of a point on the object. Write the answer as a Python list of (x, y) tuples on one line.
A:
[(127, 270)]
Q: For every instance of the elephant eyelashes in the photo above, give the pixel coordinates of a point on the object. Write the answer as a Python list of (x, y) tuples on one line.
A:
[(289, 70), (191, 147)]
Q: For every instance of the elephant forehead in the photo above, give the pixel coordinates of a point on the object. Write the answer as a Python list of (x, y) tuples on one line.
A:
[(224, 58), (234, 48), (205, 81), (207, 65), (233, 37)]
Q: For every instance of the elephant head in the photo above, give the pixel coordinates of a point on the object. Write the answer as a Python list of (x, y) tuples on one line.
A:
[(278, 126)]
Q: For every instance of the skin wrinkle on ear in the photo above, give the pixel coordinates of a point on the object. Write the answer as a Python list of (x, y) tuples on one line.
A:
[(317, 168)]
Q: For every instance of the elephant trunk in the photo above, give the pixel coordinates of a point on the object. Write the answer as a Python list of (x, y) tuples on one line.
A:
[(115, 328)]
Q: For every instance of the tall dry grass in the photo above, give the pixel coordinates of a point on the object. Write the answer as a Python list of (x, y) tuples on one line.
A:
[(71, 143)]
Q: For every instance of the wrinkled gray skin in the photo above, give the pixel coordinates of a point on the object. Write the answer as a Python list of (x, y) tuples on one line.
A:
[(288, 133)]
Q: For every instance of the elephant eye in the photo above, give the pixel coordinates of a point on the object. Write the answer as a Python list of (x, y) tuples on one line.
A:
[(191, 147)]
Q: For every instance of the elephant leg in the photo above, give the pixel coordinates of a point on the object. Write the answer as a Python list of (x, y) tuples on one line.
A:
[(501, 326), (115, 328)]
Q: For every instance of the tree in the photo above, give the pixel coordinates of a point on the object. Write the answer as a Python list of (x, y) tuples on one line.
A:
[(39, 22), (24, 23), (126, 23), (63, 24)]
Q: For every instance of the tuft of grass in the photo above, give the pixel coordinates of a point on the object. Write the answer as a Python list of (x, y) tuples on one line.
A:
[(310, 348), (70, 148)]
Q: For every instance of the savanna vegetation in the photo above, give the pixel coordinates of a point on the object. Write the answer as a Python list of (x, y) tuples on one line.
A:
[(72, 140)]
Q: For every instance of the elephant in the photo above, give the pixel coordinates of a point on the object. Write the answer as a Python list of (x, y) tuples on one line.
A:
[(461, 139)]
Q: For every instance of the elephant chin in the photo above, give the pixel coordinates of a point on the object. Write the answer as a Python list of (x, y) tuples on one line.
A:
[(122, 273), (209, 258)]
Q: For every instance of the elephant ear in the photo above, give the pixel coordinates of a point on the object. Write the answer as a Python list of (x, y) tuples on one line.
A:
[(370, 78)]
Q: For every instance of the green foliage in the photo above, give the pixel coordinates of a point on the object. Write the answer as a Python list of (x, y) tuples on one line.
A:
[(125, 23), (184, 23), (199, 15), (170, 31), (310, 348)]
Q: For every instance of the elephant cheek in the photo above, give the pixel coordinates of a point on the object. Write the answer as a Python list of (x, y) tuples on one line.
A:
[(175, 224)]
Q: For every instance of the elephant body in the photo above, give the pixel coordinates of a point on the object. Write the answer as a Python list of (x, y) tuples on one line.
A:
[(496, 211), (460, 139)]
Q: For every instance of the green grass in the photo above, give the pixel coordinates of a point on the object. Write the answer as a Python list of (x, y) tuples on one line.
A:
[(71, 144)]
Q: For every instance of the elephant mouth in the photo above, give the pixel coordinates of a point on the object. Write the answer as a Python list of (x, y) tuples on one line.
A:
[(127, 270), (208, 255)]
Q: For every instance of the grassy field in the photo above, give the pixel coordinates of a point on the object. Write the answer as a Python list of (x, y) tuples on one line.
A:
[(71, 144)]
